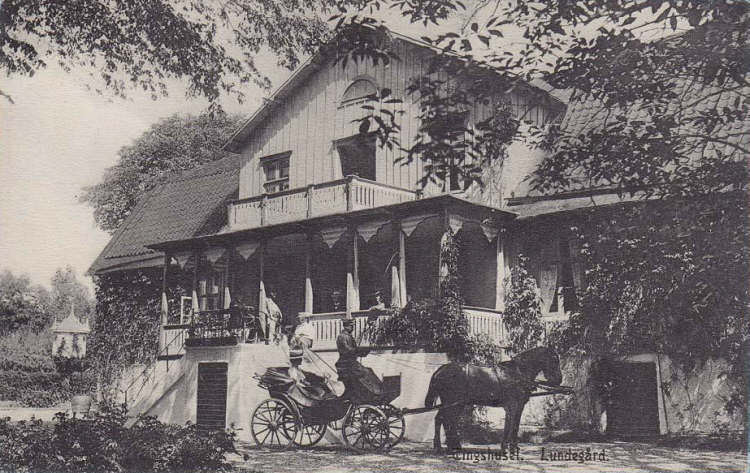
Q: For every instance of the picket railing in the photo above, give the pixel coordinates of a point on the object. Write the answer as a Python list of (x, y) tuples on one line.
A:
[(340, 196)]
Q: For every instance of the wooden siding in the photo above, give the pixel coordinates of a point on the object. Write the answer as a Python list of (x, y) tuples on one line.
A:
[(308, 121)]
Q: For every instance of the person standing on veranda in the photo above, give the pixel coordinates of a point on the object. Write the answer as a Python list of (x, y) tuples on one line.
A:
[(273, 316)]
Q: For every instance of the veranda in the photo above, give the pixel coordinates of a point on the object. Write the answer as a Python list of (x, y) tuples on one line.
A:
[(331, 266)]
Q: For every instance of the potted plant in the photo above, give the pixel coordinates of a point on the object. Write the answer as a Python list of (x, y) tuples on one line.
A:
[(68, 364)]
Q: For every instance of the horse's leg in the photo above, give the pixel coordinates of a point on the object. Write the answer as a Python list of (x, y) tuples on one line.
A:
[(514, 419), (517, 422), (438, 422), (450, 423), (507, 426)]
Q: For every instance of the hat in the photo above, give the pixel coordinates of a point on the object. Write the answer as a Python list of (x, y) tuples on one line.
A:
[(295, 354), (346, 322)]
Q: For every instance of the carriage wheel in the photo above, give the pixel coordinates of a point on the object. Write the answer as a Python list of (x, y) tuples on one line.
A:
[(309, 434), (396, 424), (273, 424), (366, 428)]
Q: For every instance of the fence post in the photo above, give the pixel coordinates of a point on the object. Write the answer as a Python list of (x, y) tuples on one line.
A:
[(310, 189), (263, 205), (349, 203)]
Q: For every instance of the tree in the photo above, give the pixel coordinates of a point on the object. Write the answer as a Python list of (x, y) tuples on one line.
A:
[(22, 305), (143, 43), (174, 144), (669, 80), (68, 292)]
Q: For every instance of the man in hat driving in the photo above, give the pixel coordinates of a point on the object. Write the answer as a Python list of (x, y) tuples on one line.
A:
[(354, 376)]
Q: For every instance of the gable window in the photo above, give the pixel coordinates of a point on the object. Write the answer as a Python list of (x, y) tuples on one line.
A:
[(358, 92), (276, 172), (357, 154)]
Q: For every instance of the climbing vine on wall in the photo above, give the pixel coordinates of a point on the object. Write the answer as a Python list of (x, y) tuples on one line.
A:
[(435, 324), (126, 326), (523, 309)]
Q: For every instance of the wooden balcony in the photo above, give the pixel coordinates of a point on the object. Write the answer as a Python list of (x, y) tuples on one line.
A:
[(341, 196)]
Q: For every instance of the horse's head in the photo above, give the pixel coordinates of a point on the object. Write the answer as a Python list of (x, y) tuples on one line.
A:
[(551, 367)]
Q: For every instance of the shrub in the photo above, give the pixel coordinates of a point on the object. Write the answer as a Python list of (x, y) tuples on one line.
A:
[(102, 443)]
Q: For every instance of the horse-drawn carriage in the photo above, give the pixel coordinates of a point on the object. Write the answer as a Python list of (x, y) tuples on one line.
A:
[(301, 416), (293, 415)]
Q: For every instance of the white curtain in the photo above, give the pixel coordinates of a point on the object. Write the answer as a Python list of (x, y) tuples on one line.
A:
[(549, 273), (548, 285)]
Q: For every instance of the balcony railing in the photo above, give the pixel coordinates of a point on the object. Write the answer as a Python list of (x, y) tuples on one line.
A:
[(328, 326), (344, 195), (223, 328)]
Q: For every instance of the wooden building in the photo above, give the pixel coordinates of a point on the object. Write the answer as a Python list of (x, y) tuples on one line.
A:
[(314, 212)]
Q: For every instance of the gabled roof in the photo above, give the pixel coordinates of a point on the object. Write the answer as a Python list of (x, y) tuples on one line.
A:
[(71, 324), (191, 204), (586, 114), (315, 63)]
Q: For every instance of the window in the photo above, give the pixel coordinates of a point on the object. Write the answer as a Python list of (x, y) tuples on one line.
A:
[(560, 276), (210, 286), (360, 91), (357, 154), (276, 172)]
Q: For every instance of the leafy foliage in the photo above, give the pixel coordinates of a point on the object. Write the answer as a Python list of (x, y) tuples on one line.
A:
[(29, 374), (667, 277), (440, 324), (22, 305), (523, 309), (142, 44), (68, 292), (102, 443), (126, 327), (174, 144), (435, 324)]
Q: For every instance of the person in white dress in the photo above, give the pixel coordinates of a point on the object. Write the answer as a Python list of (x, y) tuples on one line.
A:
[(304, 334), (273, 316)]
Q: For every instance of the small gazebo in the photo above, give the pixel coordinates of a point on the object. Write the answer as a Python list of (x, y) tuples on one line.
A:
[(70, 336)]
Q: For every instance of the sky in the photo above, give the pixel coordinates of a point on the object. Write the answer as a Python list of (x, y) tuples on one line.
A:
[(57, 138)]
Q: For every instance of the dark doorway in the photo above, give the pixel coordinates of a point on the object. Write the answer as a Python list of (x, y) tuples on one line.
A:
[(212, 396), (357, 154), (634, 408)]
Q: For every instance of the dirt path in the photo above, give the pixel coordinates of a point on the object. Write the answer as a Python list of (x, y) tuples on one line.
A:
[(419, 458)]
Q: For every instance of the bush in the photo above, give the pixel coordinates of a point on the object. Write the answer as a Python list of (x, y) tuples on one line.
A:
[(102, 443), (43, 389), (28, 373), (27, 351)]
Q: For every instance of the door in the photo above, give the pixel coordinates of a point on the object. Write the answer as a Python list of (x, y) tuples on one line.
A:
[(634, 408), (212, 396)]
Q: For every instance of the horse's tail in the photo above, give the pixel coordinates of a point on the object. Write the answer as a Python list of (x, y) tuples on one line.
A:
[(432, 391)]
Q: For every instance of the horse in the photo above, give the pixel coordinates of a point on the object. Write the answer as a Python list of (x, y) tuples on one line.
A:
[(508, 385)]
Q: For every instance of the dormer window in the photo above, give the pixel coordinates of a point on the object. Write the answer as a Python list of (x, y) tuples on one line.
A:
[(359, 92), (276, 172)]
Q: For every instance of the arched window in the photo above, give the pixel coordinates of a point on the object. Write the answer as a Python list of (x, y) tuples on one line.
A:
[(358, 92)]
